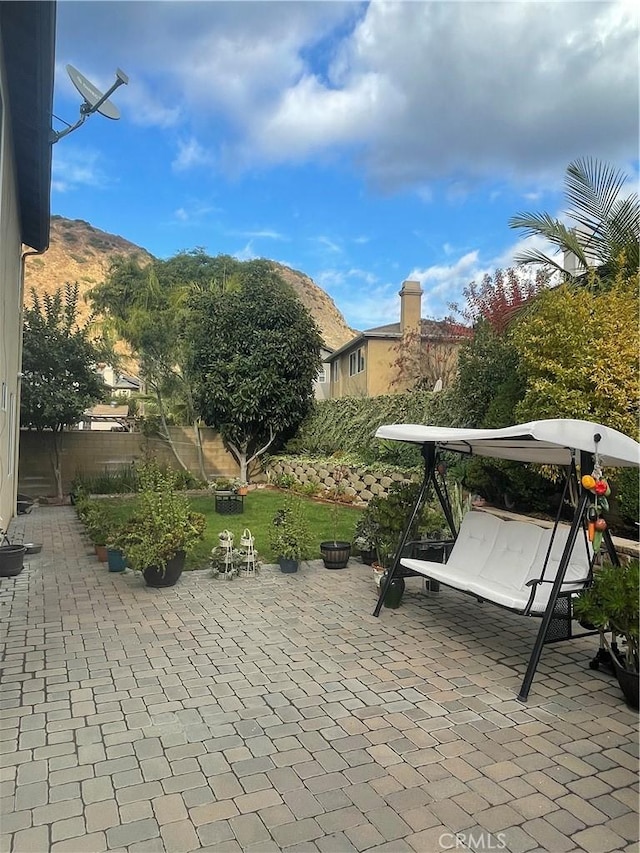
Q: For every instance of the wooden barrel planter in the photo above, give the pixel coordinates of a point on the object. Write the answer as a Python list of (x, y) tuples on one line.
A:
[(335, 554)]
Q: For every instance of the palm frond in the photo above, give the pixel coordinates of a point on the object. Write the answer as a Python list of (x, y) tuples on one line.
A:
[(535, 256), (591, 188)]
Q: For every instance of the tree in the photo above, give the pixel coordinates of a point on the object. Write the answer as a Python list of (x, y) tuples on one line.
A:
[(489, 385), (421, 360), (578, 350), (607, 231), (254, 356), (145, 307), (498, 298), (59, 359)]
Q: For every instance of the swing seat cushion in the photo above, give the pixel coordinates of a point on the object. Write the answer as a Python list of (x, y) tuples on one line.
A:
[(499, 559)]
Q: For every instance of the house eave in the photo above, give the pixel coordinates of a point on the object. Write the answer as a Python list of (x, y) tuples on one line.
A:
[(28, 37)]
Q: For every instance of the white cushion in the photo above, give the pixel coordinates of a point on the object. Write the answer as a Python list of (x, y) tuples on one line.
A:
[(477, 534), (512, 555), (438, 572), (495, 559)]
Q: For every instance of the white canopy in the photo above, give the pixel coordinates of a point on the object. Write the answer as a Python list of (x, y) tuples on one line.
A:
[(548, 442)]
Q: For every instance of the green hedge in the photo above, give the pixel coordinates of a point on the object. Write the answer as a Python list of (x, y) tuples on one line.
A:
[(348, 425)]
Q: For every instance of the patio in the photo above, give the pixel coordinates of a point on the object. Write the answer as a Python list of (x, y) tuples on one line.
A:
[(277, 714)]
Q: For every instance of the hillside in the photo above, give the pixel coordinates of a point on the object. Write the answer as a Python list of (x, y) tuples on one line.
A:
[(80, 253)]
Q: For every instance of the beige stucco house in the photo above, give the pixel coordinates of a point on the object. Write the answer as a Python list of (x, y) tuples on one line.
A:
[(366, 366), (27, 52)]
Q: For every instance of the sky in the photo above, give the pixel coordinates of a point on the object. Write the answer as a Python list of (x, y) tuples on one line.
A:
[(360, 143)]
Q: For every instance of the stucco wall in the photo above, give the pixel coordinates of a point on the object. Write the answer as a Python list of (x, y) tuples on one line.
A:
[(10, 312), (89, 453)]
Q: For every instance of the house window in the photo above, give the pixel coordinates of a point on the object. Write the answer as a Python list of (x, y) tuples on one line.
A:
[(335, 370), (322, 375), (356, 362)]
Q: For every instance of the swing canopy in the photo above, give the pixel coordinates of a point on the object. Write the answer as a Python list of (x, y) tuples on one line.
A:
[(549, 442)]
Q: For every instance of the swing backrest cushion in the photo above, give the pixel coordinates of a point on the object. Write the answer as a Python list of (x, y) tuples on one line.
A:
[(477, 535), (513, 554), (495, 559)]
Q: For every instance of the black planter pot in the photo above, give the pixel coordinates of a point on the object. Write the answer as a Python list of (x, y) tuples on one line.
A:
[(628, 681), (155, 577), (395, 592), (11, 560), (368, 557), (287, 566), (335, 554)]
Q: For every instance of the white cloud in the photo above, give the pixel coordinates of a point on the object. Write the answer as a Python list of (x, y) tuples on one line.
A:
[(247, 253), (417, 92), (194, 211), (328, 244), (190, 155), (443, 284), (75, 167), (260, 234)]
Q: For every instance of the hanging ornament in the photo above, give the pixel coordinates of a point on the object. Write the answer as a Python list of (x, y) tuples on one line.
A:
[(598, 486)]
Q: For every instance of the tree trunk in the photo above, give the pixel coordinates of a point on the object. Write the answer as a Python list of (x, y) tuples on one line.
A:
[(165, 434), (198, 438), (56, 462)]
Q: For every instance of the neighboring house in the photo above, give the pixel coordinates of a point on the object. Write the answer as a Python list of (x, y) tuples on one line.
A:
[(120, 384), (107, 417), (27, 60), (367, 365), (321, 386)]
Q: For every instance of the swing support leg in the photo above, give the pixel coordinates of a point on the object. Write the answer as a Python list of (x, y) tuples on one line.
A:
[(429, 456), (548, 613)]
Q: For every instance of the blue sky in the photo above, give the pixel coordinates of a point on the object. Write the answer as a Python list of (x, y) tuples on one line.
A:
[(361, 143)]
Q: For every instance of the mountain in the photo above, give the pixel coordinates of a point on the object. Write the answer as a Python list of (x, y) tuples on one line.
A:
[(80, 253)]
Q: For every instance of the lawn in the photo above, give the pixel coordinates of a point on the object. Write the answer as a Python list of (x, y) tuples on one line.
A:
[(260, 506)]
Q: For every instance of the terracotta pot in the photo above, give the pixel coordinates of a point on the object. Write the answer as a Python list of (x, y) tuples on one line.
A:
[(101, 553)]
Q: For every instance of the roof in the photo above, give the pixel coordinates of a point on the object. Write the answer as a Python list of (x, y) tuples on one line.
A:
[(548, 442), (128, 382), (106, 412), (28, 40), (429, 329)]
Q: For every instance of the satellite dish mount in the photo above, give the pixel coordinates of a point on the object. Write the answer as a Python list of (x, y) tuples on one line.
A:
[(94, 100)]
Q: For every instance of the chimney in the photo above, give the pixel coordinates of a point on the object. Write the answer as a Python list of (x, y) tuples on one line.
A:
[(410, 302)]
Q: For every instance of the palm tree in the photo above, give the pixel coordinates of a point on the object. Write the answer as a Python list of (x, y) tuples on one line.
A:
[(607, 231)]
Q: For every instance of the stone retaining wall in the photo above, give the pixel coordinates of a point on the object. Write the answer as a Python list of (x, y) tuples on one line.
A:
[(360, 483)]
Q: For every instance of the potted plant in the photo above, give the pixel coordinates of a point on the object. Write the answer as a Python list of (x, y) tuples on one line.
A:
[(364, 538), (99, 526), (336, 553), (116, 559), (162, 530), (290, 536), (241, 487), (610, 604)]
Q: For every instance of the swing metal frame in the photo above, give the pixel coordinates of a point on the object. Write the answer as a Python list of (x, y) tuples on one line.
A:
[(556, 620)]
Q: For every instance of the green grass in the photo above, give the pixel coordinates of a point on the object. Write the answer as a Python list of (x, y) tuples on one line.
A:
[(260, 506)]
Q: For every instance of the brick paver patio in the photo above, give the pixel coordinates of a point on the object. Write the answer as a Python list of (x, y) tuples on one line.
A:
[(276, 714)]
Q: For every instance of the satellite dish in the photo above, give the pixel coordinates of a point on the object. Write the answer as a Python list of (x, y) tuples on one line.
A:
[(94, 100), (93, 97)]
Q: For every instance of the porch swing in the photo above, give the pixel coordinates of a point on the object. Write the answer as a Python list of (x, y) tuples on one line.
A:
[(520, 566)]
